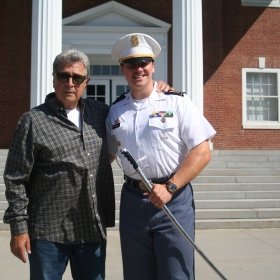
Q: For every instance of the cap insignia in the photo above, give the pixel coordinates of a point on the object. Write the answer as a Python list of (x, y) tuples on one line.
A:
[(134, 41)]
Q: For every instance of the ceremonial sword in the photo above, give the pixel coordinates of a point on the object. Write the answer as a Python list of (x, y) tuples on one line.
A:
[(149, 186)]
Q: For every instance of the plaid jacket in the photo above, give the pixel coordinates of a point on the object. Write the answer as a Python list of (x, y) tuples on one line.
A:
[(59, 181)]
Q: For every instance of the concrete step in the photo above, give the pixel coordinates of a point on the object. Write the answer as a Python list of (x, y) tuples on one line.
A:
[(223, 194), (237, 223), (2, 196), (223, 179), (258, 213), (3, 205), (232, 204), (237, 179), (198, 187), (238, 189), (237, 204), (4, 226), (241, 172), (230, 171), (219, 195)]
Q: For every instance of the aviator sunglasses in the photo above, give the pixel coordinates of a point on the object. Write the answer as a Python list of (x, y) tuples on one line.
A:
[(64, 77)]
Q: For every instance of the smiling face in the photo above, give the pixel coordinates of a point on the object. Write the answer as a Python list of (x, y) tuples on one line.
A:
[(68, 84), (139, 77)]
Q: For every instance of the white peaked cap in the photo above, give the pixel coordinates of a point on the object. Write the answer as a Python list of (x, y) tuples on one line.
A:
[(135, 45)]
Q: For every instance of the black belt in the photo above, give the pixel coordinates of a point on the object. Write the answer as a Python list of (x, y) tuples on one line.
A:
[(138, 184)]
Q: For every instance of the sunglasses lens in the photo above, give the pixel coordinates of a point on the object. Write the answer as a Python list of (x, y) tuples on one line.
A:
[(78, 79), (137, 65), (64, 77)]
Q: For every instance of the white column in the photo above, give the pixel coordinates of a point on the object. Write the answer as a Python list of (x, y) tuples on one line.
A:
[(46, 44), (188, 49)]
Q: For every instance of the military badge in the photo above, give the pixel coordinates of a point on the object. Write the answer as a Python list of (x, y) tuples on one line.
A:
[(134, 41)]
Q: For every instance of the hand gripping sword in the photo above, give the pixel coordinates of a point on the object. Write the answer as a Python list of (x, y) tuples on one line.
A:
[(149, 186)]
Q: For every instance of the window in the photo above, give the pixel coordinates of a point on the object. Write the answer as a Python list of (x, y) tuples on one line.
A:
[(105, 70), (261, 3), (261, 98)]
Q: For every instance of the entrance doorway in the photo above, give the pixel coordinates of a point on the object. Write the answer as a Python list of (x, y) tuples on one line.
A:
[(106, 90)]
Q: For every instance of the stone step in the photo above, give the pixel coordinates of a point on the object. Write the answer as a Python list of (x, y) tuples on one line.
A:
[(216, 221), (237, 204), (258, 213), (2, 196), (237, 223), (224, 187), (221, 195), (215, 204), (210, 214), (225, 204), (238, 189), (4, 226), (223, 179), (241, 172), (3, 205), (229, 172), (237, 179), (228, 224)]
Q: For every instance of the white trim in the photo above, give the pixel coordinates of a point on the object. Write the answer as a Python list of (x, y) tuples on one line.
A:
[(46, 44), (103, 82), (96, 30), (93, 14), (115, 82), (188, 49), (258, 124), (261, 3)]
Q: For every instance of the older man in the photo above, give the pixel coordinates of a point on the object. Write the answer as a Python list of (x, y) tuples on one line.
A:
[(59, 181)]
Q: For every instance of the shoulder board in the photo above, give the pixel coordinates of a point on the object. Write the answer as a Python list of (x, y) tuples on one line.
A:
[(178, 93), (121, 97)]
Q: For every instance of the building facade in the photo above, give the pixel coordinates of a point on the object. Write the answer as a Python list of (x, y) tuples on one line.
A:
[(225, 54)]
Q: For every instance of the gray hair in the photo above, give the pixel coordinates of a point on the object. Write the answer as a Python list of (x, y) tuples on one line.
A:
[(71, 56)]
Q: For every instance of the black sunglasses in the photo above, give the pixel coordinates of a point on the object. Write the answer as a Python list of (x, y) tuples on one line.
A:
[(136, 65), (64, 77)]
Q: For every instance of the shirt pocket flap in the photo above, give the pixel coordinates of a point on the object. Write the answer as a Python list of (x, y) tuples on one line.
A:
[(162, 122)]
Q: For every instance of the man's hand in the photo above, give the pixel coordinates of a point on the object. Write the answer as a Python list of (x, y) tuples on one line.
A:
[(159, 195), (163, 86), (20, 246)]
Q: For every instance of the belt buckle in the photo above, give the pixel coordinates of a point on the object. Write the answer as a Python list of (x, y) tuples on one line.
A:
[(142, 186)]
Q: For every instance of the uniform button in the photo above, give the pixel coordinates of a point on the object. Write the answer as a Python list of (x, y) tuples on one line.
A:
[(88, 154), (90, 175)]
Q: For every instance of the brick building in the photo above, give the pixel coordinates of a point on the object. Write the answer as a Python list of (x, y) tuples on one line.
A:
[(238, 67)]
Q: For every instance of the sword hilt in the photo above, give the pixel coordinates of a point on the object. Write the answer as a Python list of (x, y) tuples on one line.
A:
[(129, 157)]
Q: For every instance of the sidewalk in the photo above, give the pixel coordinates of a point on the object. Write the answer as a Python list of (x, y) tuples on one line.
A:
[(252, 254)]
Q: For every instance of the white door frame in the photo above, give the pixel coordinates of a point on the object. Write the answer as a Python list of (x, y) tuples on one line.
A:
[(105, 82), (115, 83)]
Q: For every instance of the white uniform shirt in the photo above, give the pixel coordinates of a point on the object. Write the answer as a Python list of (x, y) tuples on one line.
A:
[(158, 132)]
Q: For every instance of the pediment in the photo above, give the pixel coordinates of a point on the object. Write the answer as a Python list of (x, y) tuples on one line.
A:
[(113, 14)]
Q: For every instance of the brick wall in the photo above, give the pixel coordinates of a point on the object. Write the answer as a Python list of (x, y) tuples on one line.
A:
[(15, 57), (234, 38)]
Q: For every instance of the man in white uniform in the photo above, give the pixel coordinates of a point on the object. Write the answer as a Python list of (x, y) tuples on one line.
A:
[(168, 138)]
